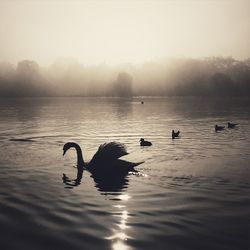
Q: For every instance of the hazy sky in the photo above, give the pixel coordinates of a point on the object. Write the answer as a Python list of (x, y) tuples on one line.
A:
[(113, 32)]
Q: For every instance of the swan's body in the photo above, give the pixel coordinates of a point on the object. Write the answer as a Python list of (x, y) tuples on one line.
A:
[(218, 128), (145, 143), (231, 125), (175, 134), (106, 159)]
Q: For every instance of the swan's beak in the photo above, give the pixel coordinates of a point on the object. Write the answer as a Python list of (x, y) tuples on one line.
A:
[(64, 151)]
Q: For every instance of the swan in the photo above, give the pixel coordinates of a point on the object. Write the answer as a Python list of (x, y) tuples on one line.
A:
[(106, 159), (231, 125), (175, 134), (145, 143), (218, 128)]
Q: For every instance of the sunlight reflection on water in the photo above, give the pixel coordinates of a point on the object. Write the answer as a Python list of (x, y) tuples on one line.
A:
[(119, 236)]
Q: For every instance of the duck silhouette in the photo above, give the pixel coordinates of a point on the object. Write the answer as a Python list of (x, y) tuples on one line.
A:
[(175, 134), (105, 161), (144, 143), (218, 128), (231, 125)]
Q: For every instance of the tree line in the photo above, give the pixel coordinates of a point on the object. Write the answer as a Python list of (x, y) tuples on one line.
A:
[(214, 76)]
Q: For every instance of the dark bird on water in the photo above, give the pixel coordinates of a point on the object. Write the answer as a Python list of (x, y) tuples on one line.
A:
[(218, 128), (106, 159), (145, 143), (231, 125), (175, 134)]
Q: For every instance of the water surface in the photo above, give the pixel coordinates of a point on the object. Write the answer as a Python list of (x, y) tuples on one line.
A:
[(191, 193)]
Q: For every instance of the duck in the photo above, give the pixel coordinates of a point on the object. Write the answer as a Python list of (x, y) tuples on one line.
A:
[(231, 125), (105, 161), (175, 134), (144, 143), (218, 128)]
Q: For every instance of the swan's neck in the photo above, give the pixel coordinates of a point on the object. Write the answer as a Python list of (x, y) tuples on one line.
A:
[(80, 162)]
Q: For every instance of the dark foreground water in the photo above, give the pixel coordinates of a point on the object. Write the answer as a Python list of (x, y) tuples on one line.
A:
[(191, 193)]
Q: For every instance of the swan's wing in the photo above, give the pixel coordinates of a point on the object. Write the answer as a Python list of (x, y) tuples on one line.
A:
[(108, 152)]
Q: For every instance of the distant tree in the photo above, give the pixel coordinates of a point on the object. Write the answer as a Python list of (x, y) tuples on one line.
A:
[(27, 68), (123, 85), (29, 81)]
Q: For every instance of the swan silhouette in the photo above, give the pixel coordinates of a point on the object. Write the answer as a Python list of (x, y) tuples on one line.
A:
[(105, 161), (175, 134), (145, 143)]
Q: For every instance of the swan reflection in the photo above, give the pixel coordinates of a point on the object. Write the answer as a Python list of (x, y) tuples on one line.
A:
[(111, 183), (75, 182)]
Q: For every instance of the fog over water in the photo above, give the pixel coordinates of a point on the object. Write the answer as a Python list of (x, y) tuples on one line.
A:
[(124, 48), (215, 76)]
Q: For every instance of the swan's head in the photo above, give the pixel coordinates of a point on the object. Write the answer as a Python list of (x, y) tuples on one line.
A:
[(141, 140), (67, 146)]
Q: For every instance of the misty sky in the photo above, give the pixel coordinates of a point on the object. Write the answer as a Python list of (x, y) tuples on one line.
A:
[(111, 32)]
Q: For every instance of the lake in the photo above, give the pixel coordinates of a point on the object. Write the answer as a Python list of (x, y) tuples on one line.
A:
[(190, 193)]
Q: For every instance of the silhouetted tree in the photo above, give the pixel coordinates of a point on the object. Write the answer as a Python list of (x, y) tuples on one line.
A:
[(27, 68), (123, 85), (29, 82)]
